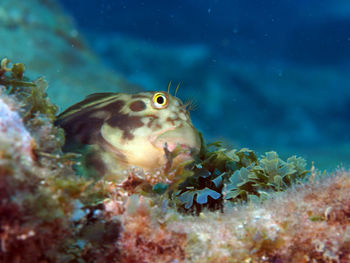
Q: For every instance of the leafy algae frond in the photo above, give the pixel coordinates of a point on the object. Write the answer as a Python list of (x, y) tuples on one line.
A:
[(31, 93), (16, 77), (221, 175), (38, 187), (51, 214)]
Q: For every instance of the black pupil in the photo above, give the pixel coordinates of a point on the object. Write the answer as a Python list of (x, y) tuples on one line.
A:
[(160, 100)]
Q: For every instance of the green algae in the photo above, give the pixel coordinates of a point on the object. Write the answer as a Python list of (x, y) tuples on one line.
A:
[(31, 93), (220, 175), (38, 185), (13, 77), (47, 193)]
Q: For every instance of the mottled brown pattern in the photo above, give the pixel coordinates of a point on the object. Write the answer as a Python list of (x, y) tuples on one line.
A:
[(173, 120), (113, 107), (170, 120), (151, 120), (183, 111), (138, 105), (100, 114), (81, 127), (126, 123)]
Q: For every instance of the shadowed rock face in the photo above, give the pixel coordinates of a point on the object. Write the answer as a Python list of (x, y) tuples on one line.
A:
[(39, 34)]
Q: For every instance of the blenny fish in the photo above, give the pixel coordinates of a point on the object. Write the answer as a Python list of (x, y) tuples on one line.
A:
[(148, 130)]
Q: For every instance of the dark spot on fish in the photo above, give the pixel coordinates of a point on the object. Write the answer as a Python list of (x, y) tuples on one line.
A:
[(138, 105), (113, 107), (126, 123), (151, 120), (82, 129)]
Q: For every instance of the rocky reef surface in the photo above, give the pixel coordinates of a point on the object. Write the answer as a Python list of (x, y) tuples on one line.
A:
[(231, 206)]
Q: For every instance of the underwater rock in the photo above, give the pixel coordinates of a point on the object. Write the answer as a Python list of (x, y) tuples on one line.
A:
[(145, 238), (33, 213), (51, 214), (35, 207), (306, 223), (12, 130), (38, 33)]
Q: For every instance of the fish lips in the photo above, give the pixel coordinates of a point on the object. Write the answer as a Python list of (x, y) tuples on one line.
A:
[(185, 139)]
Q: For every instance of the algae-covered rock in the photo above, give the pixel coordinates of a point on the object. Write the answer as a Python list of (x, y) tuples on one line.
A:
[(305, 224), (41, 197), (34, 212), (48, 213)]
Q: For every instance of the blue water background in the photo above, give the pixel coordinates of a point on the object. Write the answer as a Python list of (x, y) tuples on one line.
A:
[(265, 74)]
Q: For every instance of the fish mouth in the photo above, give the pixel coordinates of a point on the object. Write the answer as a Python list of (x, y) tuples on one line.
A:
[(181, 141), (172, 147)]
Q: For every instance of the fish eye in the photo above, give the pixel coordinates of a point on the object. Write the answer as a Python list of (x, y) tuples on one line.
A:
[(160, 100)]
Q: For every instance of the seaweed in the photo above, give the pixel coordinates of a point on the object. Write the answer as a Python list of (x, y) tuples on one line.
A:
[(38, 185), (50, 213), (270, 174), (32, 94), (220, 175)]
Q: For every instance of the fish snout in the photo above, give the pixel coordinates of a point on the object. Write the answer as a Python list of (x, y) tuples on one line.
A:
[(185, 138)]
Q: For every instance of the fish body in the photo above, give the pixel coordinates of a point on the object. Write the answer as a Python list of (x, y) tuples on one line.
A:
[(132, 130)]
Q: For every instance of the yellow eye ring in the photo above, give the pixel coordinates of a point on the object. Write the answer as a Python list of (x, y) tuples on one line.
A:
[(160, 100)]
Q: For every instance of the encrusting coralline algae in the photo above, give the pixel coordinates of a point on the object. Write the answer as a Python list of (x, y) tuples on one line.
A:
[(12, 130), (266, 209)]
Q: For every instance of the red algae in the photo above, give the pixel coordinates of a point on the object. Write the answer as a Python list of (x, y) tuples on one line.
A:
[(309, 222), (143, 240), (48, 213)]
